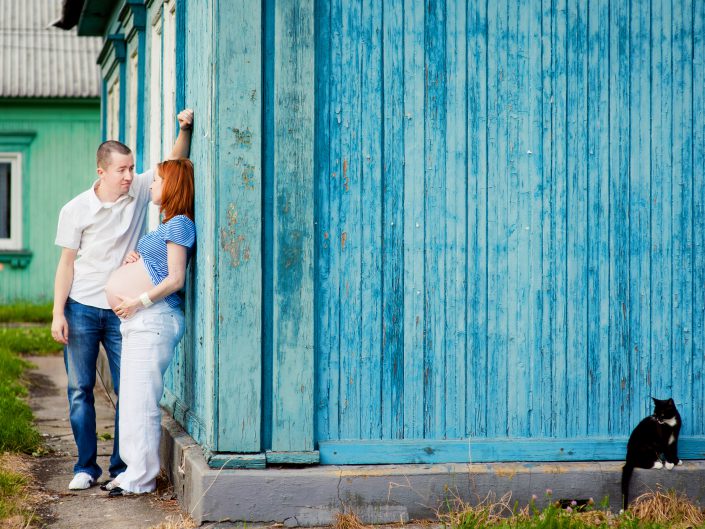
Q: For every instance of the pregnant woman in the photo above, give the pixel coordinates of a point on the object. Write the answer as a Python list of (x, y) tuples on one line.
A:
[(143, 293)]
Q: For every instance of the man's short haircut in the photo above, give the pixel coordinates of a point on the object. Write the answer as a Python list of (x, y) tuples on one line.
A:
[(106, 149)]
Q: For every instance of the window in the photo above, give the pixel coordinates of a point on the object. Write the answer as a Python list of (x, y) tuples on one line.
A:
[(10, 201)]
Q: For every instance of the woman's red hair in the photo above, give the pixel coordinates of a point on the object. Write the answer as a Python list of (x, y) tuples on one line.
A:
[(177, 188)]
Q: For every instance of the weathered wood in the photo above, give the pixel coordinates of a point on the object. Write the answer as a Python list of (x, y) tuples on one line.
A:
[(292, 458), (292, 405), (239, 283), (488, 450), (254, 461)]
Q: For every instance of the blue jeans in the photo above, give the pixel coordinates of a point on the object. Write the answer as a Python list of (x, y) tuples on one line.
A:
[(88, 327)]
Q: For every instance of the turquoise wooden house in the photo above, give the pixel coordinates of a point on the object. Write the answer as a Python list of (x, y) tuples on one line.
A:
[(428, 231), (49, 130)]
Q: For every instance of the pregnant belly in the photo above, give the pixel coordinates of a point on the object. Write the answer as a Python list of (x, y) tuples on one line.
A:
[(128, 281)]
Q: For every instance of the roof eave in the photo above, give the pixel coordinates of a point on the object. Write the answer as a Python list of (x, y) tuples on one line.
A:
[(95, 16)]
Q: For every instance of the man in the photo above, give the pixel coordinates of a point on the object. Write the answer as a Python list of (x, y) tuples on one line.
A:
[(96, 230)]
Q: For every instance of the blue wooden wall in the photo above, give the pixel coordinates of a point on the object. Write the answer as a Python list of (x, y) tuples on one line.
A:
[(509, 224)]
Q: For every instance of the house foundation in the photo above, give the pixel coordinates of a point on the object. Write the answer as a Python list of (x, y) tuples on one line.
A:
[(312, 496)]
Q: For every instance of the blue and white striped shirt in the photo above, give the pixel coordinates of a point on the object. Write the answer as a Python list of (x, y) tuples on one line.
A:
[(152, 247)]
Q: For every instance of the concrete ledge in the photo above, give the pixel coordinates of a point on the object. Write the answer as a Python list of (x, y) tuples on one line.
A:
[(389, 493)]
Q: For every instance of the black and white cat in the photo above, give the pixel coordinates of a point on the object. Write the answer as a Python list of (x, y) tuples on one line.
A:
[(655, 435)]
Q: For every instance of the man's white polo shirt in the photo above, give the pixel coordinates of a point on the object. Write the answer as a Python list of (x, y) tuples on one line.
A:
[(103, 233)]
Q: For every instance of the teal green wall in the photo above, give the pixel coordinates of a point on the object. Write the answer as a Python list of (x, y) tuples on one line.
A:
[(59, 163)]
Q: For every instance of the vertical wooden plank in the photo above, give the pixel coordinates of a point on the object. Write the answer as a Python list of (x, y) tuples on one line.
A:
[(598, 215), (292, 410), (268, 104), (698, 397), (639, 209), (323, 301), (620, 420), (239, 205), (414, 310), (434, 219), (370, 156), (478, 183), (350, 236), (520, 175), (548, 263), (683, 212), (456, 286), (497, 211), (199, 376), (559, 214), (533, 132), (511, 112), (661, 201), (578, 228), (333, 237), (393, 223)]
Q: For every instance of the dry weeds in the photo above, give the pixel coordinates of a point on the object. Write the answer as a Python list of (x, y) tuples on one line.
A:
[(348, 520), (667, 507), (182, 522)]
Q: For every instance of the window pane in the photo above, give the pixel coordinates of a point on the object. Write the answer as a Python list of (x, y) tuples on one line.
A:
[(5, 200)]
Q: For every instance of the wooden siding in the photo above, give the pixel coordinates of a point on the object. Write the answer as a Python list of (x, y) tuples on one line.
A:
[(50, 179), (510, 206)]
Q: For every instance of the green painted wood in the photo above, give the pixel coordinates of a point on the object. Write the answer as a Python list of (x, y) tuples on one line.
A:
[(292, 362), (239, 282), (44, 131)]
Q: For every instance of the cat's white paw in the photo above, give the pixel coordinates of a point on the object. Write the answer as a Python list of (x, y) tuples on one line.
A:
[(669, 466), (680, 462), (657, 464)]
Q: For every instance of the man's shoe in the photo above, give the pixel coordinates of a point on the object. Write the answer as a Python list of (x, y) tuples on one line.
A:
[(81, 481)]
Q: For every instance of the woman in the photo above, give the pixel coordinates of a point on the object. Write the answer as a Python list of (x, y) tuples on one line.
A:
[(143, 293)]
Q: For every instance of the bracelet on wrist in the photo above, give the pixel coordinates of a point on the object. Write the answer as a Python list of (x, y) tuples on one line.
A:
[(146, 302)]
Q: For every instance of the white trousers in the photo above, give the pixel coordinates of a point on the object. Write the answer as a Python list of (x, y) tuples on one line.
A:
[(148, 342)]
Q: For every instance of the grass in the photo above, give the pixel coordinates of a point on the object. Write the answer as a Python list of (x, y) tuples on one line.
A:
[(29, 340), (26, 313), (653, 510), (17, 433)]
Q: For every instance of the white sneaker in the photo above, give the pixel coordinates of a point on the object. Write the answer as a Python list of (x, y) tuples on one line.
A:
[(81, 481)]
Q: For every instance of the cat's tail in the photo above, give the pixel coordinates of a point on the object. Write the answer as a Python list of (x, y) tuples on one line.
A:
[(626, 478)]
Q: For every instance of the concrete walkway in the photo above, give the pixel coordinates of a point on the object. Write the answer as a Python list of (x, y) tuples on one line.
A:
[(91, 508)]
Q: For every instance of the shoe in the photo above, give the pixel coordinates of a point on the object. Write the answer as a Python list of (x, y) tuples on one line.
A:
[(81, 481), (117, 492), (109, 485)]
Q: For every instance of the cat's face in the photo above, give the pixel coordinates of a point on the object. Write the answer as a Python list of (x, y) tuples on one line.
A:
[(664, 409)]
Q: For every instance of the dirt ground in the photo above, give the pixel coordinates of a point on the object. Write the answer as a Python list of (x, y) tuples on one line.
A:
[(64, 509)]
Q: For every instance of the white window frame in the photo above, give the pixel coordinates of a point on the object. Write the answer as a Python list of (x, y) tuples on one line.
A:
[(14, 242), (113, 114), (169, 77), (132, 105)]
